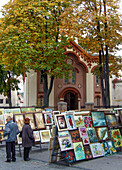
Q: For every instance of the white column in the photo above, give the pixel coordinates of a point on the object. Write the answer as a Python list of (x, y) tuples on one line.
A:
[(89, 88), (51, 97)]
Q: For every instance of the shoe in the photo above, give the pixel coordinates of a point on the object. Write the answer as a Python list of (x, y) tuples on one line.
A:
[(13, 160), (27, 159), (8, 161)]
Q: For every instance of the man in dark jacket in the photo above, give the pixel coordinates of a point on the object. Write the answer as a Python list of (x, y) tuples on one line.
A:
[(27, 138), (11, 131)]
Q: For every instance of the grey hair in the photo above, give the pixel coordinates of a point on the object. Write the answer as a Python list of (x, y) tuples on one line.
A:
[(9, 117)]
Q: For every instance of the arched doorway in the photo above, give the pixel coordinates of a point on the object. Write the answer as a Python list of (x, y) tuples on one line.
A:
[(72, 100)]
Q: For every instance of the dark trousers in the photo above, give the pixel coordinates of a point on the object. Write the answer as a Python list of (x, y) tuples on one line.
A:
[(10, 148), (26, 153)]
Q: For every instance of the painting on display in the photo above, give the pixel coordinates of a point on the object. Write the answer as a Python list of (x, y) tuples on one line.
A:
[(16, 111), (19, 140), (38, 109), (1, 111), (69, 156), (30, 116), (48, 118), (19, 119), (79, 151), (97, 150), (78, 120), (88, 153), (61, 122), (75, 136), (1, 136), (2, 120), (85, 140), (84, 135), (70, 121), (36, 136), (102, 133), (98, 118), (92, 135), (111, 147), (27, 109), (111, 119), (39, 120), (116, 137), (87, 121), (45, 135), (6, 115), (63, 133), (65, 143), (106, 148), (7, 111)]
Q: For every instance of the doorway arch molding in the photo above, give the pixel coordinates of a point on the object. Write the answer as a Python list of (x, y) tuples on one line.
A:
[(69, 89)]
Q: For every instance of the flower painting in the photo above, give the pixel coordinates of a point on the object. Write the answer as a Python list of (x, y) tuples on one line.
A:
[(79, 151), (87, 121), (116, 137), (111, 147), (106, 148), (98, 118), (97, 150), (65, 143), (75, 136), (88, 153), (69, 156)]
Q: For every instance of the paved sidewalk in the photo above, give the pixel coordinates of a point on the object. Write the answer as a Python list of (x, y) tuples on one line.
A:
[(39, 160)]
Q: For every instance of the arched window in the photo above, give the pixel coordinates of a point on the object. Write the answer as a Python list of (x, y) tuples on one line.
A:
[(98, 101)]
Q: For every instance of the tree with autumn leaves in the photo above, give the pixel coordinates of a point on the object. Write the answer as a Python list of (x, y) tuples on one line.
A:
[(33, 35)]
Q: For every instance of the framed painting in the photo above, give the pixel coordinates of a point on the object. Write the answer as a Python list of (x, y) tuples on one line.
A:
[(56, 112), (1, 136), (30, 116), (16, 111), (97, 150), (38, 109), (48, 118), (116, 137), (75, 136), (92, 135), (83, 132), (39, 121), (45, 135), (36, 136), (78, 119), (111, 119), (1, 111), (28, 109), (106, 148), (65, 143), (61, 122), (6, 115), (7, 111), (87, 121), (70, 121), (102, 133), (98, 118), (85, 140), (2, 120), (88, 152), (111, 147), (48, 109), (19, 119), (63, 133), (79, 151), (19, 140), (69, 156), (70, 112)]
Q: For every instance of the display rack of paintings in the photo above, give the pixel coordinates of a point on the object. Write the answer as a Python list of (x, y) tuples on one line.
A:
[(31, 117), (48, 118), (28, 109), (39, 121)]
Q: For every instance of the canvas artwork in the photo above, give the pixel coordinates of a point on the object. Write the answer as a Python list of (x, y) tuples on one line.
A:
[(85, 140), (7, 111), (48, 118), (75, 136), (106, 148), (116, 137), (19, 119), (1, 136), (70, 121), (83, 132), (102, 133), (56, 112), (69, 156), (92, 135), (111, 147), (97, 150), (111, 119), (6, 115), (39, 120), (98, 118), (79, 151), (16, 111), (65, 143), (87, 121), (36, 136), (48, 110), (30, 116), (19, 140), (63, 133), (38, 109), (45, 135), (1, 111), (2, 120), (27, 109), (61, 122), (78, 120), (88, 153)]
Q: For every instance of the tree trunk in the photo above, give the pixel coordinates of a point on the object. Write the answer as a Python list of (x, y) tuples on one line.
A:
[(9, 97)]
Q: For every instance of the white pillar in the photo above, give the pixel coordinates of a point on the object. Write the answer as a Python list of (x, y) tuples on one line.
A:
[(89, 88)]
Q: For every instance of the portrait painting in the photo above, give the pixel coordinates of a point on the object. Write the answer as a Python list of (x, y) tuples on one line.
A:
[(61, 122), (30, 116), (97, 150), (63, 133), (111, 119), (28, 109), (1, 111), (2, 120), (1, 136), (116, 137), (16, 111), (92, 135), (111, 147), (36, 136), (70, 121), (88, 152), (69, 156), (65, 143), (102, 133), (79, 151), (87, 121), (45, 135), (75, 136), (39, 120), (19, 119), (78, 120), (6, 115), (98, 118), (48, 118)]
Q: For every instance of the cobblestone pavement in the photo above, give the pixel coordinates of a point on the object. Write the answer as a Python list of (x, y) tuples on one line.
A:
[(39, 160)]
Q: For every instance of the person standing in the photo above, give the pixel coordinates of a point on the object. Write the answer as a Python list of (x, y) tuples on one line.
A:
[(27, 138), (10, 132)]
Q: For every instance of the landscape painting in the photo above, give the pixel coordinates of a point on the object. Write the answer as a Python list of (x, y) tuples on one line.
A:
[(30, 116), (19, 119), (39, 120), (98, 118), (102, 133), (45, 135), (75, 136), (111, 119)]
